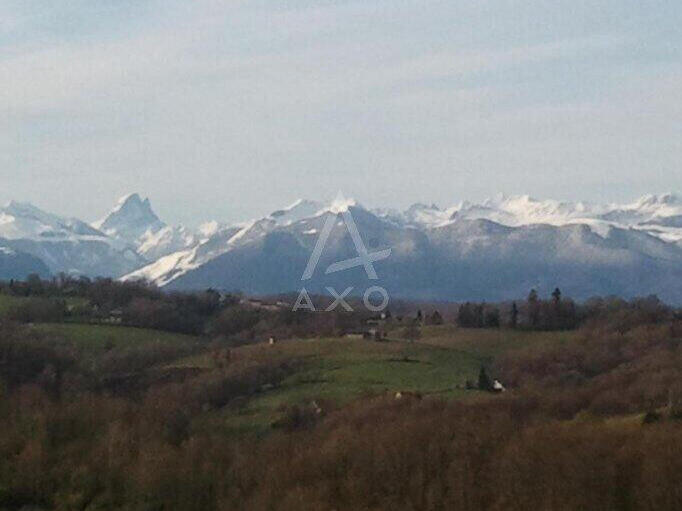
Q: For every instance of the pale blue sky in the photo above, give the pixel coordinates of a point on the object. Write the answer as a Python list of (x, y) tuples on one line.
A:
[(230, 109)]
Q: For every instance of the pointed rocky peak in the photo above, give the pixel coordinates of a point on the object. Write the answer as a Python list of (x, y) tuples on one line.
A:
[(133, 204), (130, 219)]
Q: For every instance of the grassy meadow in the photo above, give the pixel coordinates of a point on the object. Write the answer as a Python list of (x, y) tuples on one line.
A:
[(95, 339), (7, 302), (332, 371), (336, 371)]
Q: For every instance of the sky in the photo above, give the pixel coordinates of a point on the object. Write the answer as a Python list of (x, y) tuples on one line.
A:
[(231, 109)]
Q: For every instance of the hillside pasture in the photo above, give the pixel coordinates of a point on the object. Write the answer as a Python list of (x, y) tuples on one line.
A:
[(8, 302), (337, 371), (489, 343)]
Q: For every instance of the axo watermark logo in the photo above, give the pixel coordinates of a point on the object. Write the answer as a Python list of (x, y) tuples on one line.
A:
[(364, 258)]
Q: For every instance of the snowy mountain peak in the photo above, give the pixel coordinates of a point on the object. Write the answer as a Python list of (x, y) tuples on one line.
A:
[(299, 210), (63, 244), (304, 208), (22, 220), (420, 206), (208, 229), (341, 204), (649, 202), (130, 219), (28, 210), (133, 205)]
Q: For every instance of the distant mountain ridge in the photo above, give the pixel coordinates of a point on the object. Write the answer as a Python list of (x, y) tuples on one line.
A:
[(134, 222), (64, 244), (494, 249), (17, 265), (463, 259)]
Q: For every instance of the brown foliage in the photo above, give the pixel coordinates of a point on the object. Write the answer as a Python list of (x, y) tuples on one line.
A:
[(78, 438)]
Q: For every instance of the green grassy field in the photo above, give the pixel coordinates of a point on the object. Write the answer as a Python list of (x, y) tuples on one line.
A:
[(330, 370), (7, 302), (488, 343), (96, 339), (341, 370)]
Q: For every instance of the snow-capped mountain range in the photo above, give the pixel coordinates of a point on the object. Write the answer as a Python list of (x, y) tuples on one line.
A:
[(660, 215), (494, 249), (64, 244)]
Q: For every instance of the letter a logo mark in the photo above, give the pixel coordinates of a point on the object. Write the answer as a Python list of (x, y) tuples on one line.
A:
[(364, 258)]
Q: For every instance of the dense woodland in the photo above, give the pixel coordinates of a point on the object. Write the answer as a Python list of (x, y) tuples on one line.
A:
[(592, 422)]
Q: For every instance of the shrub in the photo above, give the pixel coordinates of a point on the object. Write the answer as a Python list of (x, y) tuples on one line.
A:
[(38, 310)]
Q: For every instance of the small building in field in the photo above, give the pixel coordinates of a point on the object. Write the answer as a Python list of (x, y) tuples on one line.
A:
[(355, 335)]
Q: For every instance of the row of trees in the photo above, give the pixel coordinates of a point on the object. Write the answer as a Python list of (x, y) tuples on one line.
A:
[(140, 304), (537, 314), (223, 316), (478, 315)]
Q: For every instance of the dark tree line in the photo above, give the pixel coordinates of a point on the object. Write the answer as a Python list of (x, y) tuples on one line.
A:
[(555, 313), (478, 315), (109, 301), (139, 304)]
